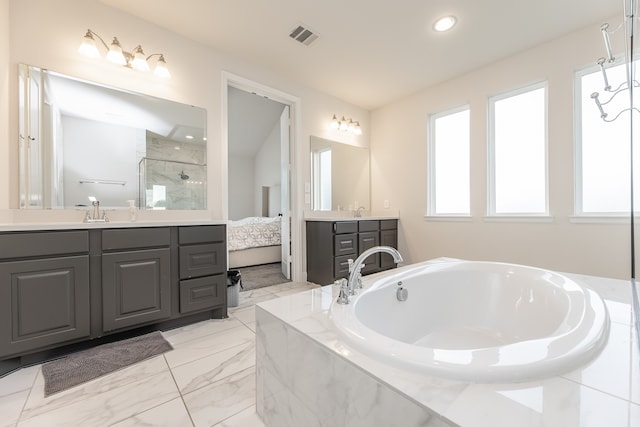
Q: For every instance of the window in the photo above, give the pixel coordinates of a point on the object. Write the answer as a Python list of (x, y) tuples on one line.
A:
[(602, 147), (321, 169), (449, 163), (518, 152)]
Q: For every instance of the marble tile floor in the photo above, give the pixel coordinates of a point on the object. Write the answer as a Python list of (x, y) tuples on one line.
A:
[(208, 379)]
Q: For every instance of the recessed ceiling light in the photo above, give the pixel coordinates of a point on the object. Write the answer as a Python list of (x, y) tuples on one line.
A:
[(445, 23), (189, 136)]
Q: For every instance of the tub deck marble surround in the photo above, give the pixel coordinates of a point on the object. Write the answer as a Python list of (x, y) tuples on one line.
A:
[(207, 380), (295, 333)]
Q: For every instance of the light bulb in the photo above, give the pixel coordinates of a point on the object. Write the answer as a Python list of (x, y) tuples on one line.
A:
[(445, 23), (139, 62), (88, 46), (115, 54), (343, 124), (335, 124), (161, 69)]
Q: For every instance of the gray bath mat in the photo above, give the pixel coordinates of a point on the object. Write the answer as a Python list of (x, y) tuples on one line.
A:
[(86, 365)]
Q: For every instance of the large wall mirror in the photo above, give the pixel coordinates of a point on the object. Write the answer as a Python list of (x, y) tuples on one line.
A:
[(81, 139), (340, 176)]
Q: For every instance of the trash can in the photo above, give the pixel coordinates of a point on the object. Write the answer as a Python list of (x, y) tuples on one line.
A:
[(234, 282)]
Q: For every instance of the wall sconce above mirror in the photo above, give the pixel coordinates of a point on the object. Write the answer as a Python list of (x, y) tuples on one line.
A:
[(135, 59), (81, 139), (346, 125), (340, 177)]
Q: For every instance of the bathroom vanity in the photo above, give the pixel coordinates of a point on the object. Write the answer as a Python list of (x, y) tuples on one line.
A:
[(66, 286), (331, 243)]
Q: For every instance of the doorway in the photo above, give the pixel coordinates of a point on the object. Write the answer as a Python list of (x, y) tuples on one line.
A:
[(260, 168)]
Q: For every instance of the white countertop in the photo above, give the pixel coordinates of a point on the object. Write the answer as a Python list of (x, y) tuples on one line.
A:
[(364, 218), (348, 215), (72, 219), (110, 224), (605, 391)]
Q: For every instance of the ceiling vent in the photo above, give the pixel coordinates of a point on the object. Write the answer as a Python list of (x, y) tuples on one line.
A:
[(303, 35)]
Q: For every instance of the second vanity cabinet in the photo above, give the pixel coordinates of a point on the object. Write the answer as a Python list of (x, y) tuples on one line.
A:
[(330, 245)]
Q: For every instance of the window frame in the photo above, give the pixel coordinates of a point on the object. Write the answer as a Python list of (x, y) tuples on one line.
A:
[(431, 212), (579, 214), (492, 215)]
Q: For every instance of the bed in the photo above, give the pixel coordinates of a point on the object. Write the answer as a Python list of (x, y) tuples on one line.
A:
[(254, 241)]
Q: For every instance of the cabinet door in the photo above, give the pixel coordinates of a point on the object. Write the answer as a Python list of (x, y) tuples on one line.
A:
[(43, 302), (365, 241), (136, 288), (388, 238)]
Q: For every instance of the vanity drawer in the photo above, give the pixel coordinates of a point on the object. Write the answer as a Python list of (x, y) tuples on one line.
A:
[(345, 244), (202, 234), (344, 227), (202, 293), (341, 266), (21, 245), (202, 260), (130, 238), (389, 224), (368, 226)]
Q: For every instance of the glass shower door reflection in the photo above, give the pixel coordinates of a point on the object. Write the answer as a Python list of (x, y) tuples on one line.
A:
[(166, 184)]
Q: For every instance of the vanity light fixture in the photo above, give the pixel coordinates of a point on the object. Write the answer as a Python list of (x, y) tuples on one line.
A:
[(445, 23), (346, 125), (135, 59)]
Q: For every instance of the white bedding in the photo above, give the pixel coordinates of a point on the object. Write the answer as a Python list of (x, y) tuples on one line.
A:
[(253, 232)]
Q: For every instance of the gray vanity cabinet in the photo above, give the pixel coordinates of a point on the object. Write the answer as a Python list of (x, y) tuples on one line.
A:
[(44, 290), (136, 283), (330, 244), (60, 288)]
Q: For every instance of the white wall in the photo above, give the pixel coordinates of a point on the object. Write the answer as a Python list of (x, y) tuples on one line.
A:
[(399, 159), (10, 180), (241, 179), (267, 167)]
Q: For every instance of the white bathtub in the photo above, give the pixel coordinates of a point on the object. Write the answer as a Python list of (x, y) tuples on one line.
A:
[(476, 321)]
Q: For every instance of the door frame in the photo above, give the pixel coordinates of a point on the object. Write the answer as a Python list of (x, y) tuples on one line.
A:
[(295, 136)]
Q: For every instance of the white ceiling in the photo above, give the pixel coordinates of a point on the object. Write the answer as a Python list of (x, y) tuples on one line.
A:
[(371, 52)]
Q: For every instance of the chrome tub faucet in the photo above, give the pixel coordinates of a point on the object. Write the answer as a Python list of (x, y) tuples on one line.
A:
[(355, 274)]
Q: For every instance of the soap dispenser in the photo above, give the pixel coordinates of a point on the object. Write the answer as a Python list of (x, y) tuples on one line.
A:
[(133, 213)]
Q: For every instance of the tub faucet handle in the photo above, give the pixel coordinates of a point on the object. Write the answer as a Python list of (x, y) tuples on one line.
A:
[(343, 296)]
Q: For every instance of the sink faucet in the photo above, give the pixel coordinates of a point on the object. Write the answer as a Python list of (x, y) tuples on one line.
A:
[(96, 212), (356, 213), (355, 266)]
